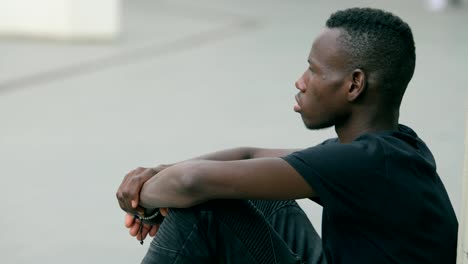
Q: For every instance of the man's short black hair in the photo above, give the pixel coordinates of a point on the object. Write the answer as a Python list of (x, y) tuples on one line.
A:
[(380, 44)]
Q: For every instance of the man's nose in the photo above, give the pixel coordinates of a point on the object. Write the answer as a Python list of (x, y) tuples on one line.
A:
[(300, 85)]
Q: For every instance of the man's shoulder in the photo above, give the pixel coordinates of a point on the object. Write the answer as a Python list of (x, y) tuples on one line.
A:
[(364, 145)]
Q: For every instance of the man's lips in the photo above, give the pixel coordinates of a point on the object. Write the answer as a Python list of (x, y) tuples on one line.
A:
[(297, 107)]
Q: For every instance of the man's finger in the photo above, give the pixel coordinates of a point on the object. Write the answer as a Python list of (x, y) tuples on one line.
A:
[(131, 192), (145, 231), (153, 230), (129, 220), (135, 228), (122, 187), (121, 203), (127, 176), (164, 211)]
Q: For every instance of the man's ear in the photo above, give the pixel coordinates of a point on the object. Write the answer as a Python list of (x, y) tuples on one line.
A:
[(357, 85)]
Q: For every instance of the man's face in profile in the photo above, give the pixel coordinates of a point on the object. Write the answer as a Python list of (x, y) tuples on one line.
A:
[(320, 100)]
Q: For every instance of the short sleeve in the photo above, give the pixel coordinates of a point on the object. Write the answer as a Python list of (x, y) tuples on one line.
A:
[(345, 176)]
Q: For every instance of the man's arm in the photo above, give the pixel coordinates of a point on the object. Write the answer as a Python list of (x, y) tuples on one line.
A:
[(129, 190), (242, 153), (190, 183)]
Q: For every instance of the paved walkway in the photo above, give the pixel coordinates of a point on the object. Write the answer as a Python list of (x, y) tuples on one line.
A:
[(185, 78)]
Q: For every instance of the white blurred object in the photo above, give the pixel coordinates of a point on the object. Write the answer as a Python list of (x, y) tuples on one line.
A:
[(462, 257), (62, 19), (440, 5), (437, 5)]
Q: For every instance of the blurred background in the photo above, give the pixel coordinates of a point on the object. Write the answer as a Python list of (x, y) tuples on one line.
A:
[(92, 89)]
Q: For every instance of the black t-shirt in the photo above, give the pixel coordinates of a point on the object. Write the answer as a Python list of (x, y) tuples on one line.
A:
[(383, 201)]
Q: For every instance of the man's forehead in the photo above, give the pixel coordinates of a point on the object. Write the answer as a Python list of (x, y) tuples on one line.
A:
[(326, 48)]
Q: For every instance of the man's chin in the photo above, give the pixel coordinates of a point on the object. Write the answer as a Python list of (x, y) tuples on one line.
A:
[(317, 126)]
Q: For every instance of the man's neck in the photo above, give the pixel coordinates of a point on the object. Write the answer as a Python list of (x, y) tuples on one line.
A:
[(354, 127)]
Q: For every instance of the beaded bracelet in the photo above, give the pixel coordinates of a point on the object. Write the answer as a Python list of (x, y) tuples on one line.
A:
[(153, 219)]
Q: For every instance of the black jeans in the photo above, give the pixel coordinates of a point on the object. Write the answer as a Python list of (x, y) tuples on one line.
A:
[(236, 231)]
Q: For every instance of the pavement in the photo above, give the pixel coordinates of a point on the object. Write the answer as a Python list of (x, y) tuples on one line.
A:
[(184, 78)]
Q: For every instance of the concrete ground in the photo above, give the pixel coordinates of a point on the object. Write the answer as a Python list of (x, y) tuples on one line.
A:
[(184, 78)]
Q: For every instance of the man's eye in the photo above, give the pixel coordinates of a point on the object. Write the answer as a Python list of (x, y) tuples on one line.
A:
[(310, 69)]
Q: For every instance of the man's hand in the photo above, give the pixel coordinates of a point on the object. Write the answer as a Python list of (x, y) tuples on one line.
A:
[(129, 190), (134, 226)]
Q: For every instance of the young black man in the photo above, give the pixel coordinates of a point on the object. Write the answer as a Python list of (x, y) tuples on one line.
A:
[(383, 201)]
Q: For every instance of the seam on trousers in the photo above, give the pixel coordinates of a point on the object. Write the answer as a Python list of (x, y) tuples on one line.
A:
[(272, 245), (248, 250), (267, 208), (168, 249), (240, 241), (281, 207), (185, 242), (299, 210)]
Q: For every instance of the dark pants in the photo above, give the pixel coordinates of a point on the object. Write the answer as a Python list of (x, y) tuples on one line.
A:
[(236, 231)]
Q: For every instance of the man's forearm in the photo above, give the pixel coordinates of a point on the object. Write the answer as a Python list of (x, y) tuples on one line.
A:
[(149, 196), (243, 153), (222, 155), (172, 187), (227, 154)]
